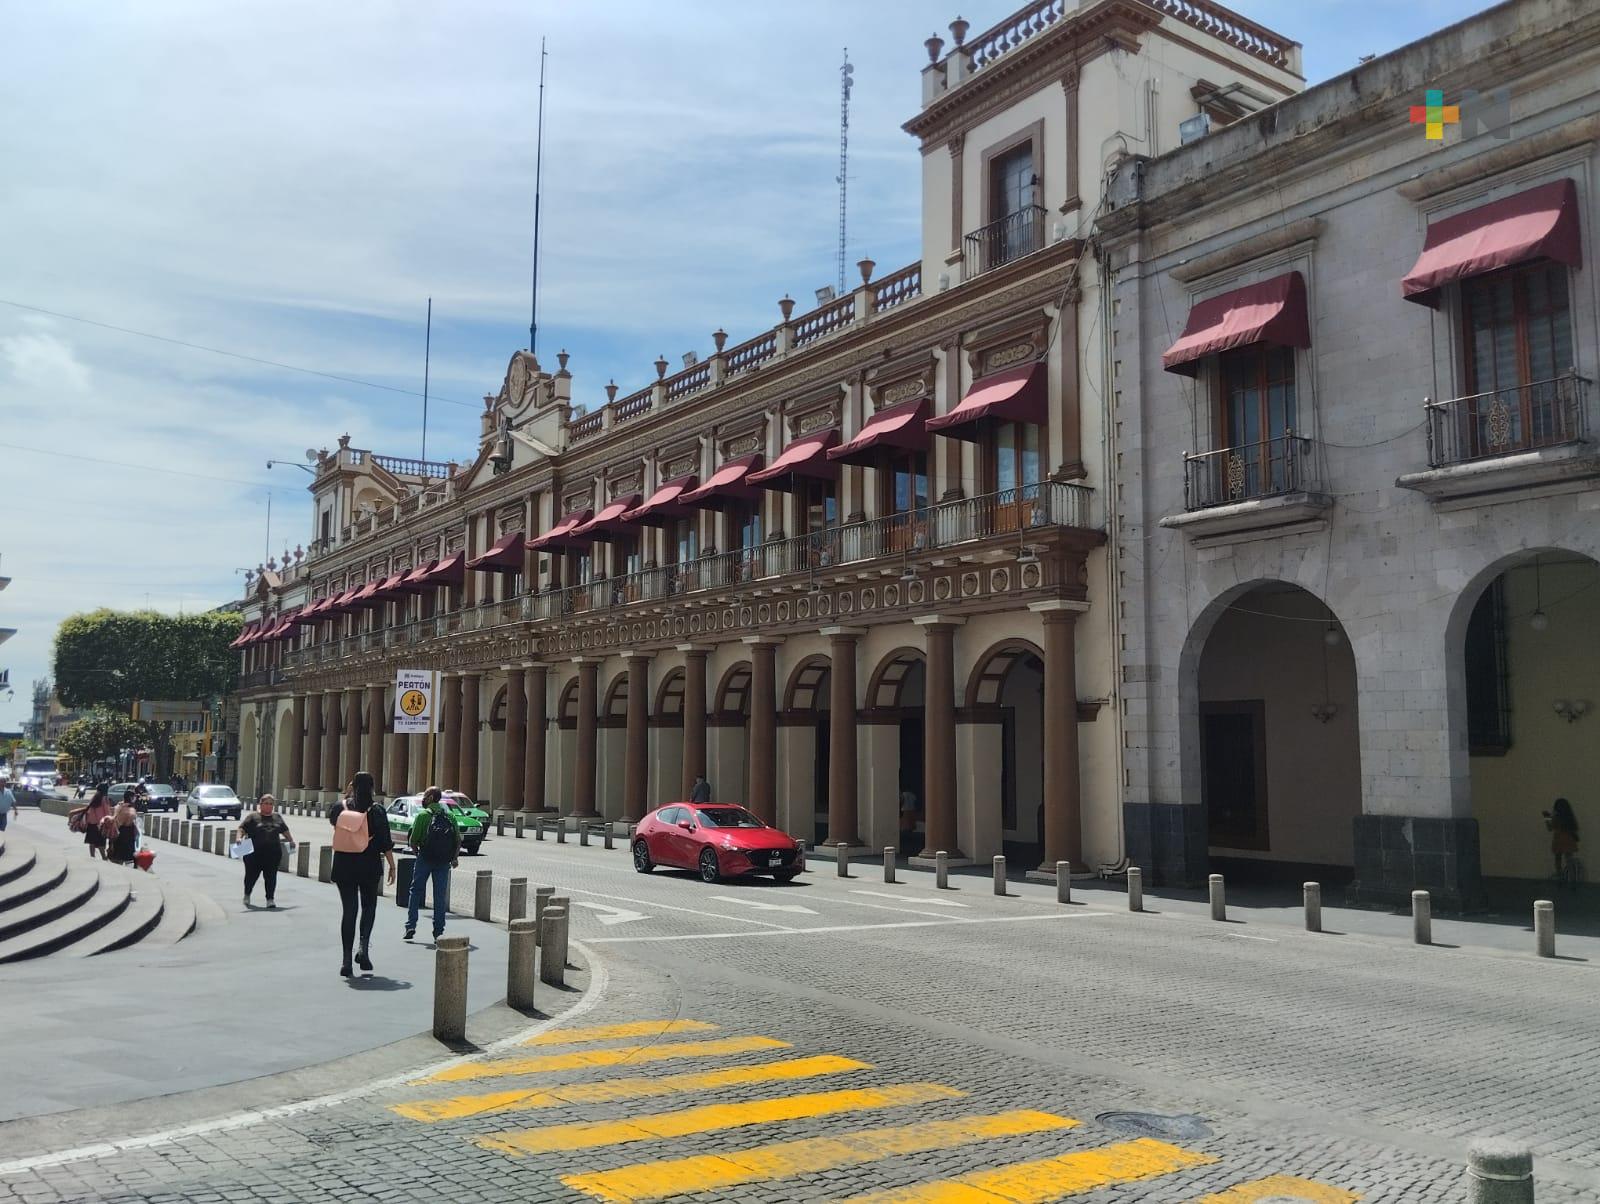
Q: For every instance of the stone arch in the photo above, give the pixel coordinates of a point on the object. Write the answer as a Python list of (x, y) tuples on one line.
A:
[(732, 696), (887, 688), (614, 702), (989, 671), (669, 695), (567, 705), (497, 711), (807, 687), (283, 768), (249, 754)]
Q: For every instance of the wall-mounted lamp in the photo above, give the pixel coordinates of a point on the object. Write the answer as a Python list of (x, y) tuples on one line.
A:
[(1324, 711), (1571, 709)]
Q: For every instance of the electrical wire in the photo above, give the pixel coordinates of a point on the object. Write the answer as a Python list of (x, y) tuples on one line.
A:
[(142, 467)]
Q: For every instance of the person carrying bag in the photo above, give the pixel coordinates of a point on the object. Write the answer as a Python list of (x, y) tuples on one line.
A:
[(269, 837), (437, 843), (361, 846)]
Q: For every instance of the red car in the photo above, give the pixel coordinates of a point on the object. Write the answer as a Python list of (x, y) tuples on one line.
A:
[(717, 839)]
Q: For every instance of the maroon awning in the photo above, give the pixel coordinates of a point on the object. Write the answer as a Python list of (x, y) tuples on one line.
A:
[(1541, 223), (1270, 311), (805, 457), (662, 506), (610, 522), (504, 557), (283, 629), (366, 596), (903, 426), (339, 603), (247, 633), (452, 570), (309, 616), (559, 537), (727, 484), (1017, 394), (416, 581), (389, 587)]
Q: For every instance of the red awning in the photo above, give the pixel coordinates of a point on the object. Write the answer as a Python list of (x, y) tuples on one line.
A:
[(805, 457), (389, 587), (452, 570), (246, 634), (727, 484), (504, 557), (1269, 311), (662, 506), (559, 537), (339, 602), (1541, 223), (1017, 394), (610, 522), (366, 596), (902, 426), (283, 629), (416, 581), (310, 615)]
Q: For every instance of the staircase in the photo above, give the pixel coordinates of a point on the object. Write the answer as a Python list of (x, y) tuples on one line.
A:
[(55, 900)]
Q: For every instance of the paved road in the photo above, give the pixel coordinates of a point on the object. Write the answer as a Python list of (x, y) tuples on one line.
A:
[(851, 1040)]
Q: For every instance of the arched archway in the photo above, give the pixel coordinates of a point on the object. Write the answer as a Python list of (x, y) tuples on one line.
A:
[(893, 742), (728, 746), (614, 706), (804, 744), (282, 773), (1270, 740), (249, 755), (1522, 683), (1005, 721)]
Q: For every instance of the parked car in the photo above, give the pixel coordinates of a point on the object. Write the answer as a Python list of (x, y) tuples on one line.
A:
[(157, 797), (205, 801), (470, 821), (717, 839)]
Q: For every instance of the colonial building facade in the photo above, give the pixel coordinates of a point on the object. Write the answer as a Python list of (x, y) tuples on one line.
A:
[(852, 569), (1358, 499)]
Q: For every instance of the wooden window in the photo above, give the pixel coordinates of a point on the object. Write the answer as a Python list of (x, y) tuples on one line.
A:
[(1234, 773), (816, 505), (1011, 181), (1517, 336), (682, 543), (744, 526), (1488, 675), (904, 477), (1256, 414)]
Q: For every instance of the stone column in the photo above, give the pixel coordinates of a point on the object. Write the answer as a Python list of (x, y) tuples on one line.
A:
[(352, 736), (450, 737), (1063, 808), (330, 742), (694, 715), (939, 735), (395, 773), (311, 766), (516, 741), (636, 770), (538, 729), (842, 818), (584, 775), (297, 744), (471, 688), (374, 756), (762, 732)]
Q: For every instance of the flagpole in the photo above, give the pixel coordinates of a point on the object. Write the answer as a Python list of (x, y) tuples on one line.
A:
[(538, 172)]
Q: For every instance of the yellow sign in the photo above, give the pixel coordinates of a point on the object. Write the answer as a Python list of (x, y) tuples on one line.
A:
[(413, 702), (414, 692)]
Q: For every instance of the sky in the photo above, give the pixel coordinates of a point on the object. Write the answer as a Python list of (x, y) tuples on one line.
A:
[(291, 181)]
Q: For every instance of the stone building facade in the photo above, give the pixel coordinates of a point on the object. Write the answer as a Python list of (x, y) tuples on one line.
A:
[(851, 569), (1358, 499)]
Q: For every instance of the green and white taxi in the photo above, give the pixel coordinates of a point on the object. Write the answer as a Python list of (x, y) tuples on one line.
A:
[(470, 819)]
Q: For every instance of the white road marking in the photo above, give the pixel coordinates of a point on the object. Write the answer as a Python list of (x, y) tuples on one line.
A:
[(655, 905), (611, 915), (941, 922), (1245, 936), (598, 979), (919, 900), (743, 901)]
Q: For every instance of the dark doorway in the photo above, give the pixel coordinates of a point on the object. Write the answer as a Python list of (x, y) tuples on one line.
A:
[(1234, 787)]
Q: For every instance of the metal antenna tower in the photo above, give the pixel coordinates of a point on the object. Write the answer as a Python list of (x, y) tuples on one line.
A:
[(846, 74)]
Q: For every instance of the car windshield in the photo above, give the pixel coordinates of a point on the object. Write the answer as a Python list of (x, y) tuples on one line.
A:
[(159, 791), (728, 817), (215, 792), (458, 808)]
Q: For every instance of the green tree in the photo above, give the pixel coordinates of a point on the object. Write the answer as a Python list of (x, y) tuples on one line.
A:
[(101, 734), (110, 658)]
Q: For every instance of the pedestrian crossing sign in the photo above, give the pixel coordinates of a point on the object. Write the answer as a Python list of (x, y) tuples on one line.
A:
[(414, 693)]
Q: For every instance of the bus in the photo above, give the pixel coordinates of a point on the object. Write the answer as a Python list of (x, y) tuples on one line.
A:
[(38, 774)]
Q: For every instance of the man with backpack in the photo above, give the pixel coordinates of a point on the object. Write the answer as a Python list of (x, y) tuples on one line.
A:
[(437, 843)]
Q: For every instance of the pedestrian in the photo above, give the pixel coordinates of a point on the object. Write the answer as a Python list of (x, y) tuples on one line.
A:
[(122, 830), (908, 822), (437, 843), (268, 834), (361, 846), (701, 791), (8, 802), (95, 813), (1563, 825)]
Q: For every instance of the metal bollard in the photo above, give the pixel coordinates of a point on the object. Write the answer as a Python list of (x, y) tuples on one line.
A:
[(1219, 898), (606, 832), (1063, 882), (483, 895), (538, 829), (888, 863), (1499, 1172), (552, 946), (195, 829), (522, 961), (841, 860), (208, 840), (405, 873), (499, 823), (583, 835), (1135, 888), (517, 899), (520, 824), (1421, 917), (1544, 927), (541, 899), (325, 863), (941, 870), (561, 832), (450, 988), (302, 862), (805, 862), (1313, 896), (999, 874)]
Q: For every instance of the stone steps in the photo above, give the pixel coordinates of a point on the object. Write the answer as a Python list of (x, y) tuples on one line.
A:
[(87, 902), (18, 862), (52, 888)]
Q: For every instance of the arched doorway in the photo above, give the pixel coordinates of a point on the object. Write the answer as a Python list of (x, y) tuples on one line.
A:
[(892, 744), (1004, 724), (282, 773), (612, 747), (803, 751), (1273, 746), (666, 739), (728, 753), (1523, 684), (249, 755)]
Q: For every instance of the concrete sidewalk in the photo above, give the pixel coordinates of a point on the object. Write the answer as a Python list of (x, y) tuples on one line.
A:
[(254, 995)]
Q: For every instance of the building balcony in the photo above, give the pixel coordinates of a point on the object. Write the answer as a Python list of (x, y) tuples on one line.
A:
[(1000, 242), (1244, 492)]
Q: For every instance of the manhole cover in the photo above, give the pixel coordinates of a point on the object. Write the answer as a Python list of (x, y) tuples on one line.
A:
[(1153, 1124)]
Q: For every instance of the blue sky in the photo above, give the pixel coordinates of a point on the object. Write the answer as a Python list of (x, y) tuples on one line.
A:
[(292, 180)]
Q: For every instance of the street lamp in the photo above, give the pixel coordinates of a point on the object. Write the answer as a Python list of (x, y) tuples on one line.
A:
[(295, 463)]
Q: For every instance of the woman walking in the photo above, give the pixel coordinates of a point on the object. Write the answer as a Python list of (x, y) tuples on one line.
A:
[(95, 813), (361, 846), (124, 830), (268, 834), (1563, 825)]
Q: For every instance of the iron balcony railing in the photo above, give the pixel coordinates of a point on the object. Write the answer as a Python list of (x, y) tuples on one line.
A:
[(1545, 413), (1013, 236), (1268, 468)]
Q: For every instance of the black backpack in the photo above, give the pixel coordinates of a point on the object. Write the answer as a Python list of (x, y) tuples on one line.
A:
[(440, 842)]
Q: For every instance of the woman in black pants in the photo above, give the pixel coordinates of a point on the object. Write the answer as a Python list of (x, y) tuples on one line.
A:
[(356, 874)]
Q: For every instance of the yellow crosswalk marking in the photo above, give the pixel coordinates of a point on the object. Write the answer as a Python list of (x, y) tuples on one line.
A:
[(1049, 1179), (609, 1091), (705, 1172), (1302, 1191), (590, 1059), (612, 1032), (712, 1117)]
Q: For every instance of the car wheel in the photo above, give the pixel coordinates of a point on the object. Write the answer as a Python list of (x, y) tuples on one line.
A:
[(784, 875), (472, 846), (710, 871), (641, 857)]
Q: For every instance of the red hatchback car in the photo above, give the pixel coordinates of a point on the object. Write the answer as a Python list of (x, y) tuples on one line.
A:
[(717, 839)]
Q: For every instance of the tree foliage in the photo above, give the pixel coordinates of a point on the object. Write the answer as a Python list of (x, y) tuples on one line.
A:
[(110, 658), (101, 734)]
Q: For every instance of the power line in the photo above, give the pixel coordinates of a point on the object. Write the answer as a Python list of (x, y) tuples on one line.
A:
[(237, 355), (176, 472)]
